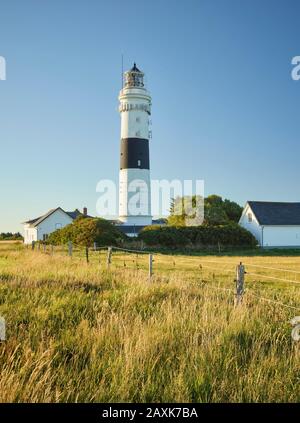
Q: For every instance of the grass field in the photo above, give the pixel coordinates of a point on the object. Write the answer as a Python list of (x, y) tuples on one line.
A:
[(80, 332)]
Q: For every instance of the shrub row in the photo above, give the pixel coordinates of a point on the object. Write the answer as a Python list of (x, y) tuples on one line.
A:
[(202, 236)]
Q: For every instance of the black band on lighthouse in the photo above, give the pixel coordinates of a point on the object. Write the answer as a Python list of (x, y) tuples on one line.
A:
[(134, 153)]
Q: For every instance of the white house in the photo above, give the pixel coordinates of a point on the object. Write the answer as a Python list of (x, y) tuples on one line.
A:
[(39, 229), (273, 224)]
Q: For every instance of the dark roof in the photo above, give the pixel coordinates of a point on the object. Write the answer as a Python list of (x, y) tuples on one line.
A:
[(31, 222), (115, 221), (135, 229), (160, 221), (135, 68), (73, 215), (274, 213), (130, 229), (36, 221)]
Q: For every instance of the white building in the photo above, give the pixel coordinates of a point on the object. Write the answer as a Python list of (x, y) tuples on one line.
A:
[(134, 180), (273, 224), (38, 229)]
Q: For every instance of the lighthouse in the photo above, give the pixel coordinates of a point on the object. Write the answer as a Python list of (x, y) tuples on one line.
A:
[(134, 178)]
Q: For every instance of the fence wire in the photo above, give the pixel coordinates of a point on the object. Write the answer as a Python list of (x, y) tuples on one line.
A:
[(272, 268), (270, 300), (125, 256), (272, 277)]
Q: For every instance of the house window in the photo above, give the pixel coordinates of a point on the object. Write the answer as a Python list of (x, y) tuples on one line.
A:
[(249, 217), (138, 119), (58, 225)]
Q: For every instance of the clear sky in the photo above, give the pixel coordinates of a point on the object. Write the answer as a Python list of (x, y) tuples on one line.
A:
[(225, 108)]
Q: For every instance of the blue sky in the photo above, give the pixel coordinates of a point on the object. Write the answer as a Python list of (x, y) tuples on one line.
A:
[(225, 108)]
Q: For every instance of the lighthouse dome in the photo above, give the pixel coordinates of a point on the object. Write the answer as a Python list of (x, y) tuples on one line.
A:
[(134, 78)]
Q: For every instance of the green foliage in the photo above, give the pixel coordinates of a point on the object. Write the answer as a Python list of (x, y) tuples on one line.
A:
[(9, 236), (202, 236), (86, 231), (185, 208), (214, 200), (232, 210), (215, 215), (216, 210)]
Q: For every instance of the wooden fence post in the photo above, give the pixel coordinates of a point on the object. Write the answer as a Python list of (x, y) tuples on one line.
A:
[(70, 248), (150, 267), (240, 279), (109, 253), (32, 245), (52, 250), (87, 254), (44, 247), (95, 246)]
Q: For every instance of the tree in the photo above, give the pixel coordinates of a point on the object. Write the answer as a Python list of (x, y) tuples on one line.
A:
[(185, 211), (9, 236), (214, 215), (214, 200), (216, 210), (233, 210), (86, 231)]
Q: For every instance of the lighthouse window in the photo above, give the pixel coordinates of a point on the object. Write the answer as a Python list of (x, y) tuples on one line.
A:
[(139, 163)]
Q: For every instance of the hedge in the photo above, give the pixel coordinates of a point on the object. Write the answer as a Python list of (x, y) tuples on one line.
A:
[(197, 236)]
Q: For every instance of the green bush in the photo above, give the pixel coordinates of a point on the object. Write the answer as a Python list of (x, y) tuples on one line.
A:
[(86, 231), (230, 235)]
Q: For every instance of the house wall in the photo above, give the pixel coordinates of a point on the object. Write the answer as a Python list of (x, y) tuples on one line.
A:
[(47, 226), (282, 236), (253, 227), (30, 234), (270, 236)]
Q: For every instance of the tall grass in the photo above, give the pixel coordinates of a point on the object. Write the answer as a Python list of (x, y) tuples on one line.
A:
[(77, 332)]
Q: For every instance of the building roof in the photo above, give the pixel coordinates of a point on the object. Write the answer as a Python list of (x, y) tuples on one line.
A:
[(160, 221), (276, 213), (74, 214), (35, 222), (130, 229), (135, 68)]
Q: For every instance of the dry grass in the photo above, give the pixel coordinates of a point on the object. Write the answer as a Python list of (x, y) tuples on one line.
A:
[(77, 332)]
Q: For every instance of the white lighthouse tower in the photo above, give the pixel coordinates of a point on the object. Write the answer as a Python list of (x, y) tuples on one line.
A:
[(134, 188)]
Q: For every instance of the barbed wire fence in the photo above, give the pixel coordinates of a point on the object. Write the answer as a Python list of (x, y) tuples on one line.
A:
[(131, 260)]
